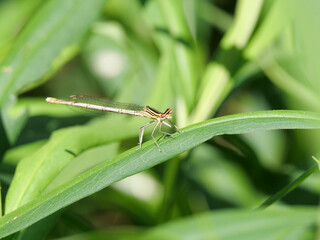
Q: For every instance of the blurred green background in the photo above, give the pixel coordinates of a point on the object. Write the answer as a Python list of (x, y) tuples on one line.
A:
[(202, 58)]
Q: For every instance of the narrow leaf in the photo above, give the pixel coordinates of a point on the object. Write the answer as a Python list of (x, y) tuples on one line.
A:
[(287, 189), (50, 39), (132, 161), (239, 224)]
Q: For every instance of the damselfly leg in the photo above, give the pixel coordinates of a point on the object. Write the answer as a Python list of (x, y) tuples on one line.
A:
[(160, 131), (142, 131), (153, 136), (173, 125)]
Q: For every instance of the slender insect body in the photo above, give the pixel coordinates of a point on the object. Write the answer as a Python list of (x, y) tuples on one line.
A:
[(147, 111)]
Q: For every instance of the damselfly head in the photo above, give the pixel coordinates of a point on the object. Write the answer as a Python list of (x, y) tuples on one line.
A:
[(168, 113)]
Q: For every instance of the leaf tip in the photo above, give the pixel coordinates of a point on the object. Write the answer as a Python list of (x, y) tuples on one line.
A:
[(317, 161)]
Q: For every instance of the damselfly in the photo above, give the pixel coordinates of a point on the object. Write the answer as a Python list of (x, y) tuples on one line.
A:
[(158, 118)]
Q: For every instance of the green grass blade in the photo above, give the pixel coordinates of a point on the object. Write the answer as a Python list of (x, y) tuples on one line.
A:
[(216, 16), (287, 189), (218, 78), (277, 18), (244, 24), (13, 15), (35, 172), (132, 161), (12, 123), (42, 48), (29, 60), (302, 91), (49, 29), (317, 161), (293, 224), (239, 224)]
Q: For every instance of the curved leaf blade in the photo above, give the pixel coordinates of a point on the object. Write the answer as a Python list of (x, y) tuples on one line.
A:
[(132, 161), (239, 224), (36, 172), (294, 224)]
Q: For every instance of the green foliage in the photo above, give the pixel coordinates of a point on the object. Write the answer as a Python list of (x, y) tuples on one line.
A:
[(33, 177), (64, 177)]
